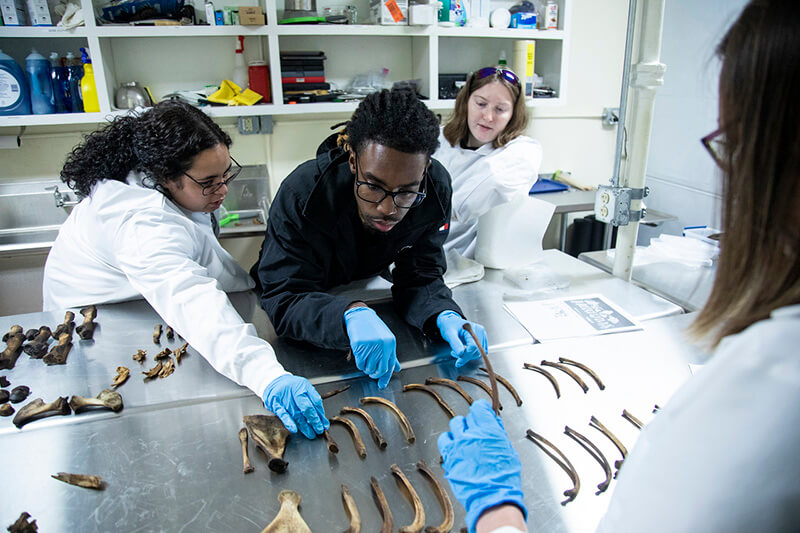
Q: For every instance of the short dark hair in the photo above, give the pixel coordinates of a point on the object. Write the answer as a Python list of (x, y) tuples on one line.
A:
[(396, 119)]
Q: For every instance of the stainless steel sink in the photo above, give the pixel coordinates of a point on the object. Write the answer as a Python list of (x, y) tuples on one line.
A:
[(31, 205), (42, 236)]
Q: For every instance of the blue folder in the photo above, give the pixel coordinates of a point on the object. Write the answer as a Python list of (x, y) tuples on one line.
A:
[(543, 185)]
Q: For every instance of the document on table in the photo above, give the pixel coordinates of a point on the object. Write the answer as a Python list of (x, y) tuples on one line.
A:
[(574, 316)]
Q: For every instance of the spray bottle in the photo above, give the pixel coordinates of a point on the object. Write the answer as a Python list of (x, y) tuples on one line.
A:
[(38, 69), (58, 77), (88, 86), (15, 99), (74, 75), (240, 75)]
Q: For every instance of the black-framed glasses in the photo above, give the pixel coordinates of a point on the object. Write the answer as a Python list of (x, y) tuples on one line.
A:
[(230, 175), (715, 143), (375, 194), (505, 73)]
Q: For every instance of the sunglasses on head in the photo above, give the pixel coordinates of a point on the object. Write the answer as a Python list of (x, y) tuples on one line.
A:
[(506, 74)]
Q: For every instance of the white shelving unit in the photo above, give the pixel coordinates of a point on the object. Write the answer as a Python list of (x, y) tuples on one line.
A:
[(169, 58)]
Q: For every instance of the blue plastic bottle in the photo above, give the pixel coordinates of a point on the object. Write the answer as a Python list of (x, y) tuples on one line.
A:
[(38, 69), (14, 96), (58, 77), (74, 75)]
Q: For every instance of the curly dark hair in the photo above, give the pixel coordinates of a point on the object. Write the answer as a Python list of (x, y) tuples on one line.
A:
[(160, 142), (396, 119)]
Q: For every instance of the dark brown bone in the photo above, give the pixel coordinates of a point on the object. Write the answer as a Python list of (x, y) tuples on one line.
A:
[(65, 327), (247, 466), (16, 328), (595, 423), (81, 480), (595, 452), (170, 334), (361, 450), (123, 372), (569, 372), (269, 434), (288, 519), (545, 373), (333, 392), (9, 356), (507, 384), (19, 393), (86, 330), (58, 353), (140, 356), (107, 399), (351, 510), (157, 334), (562, 461), (38, 409), (377, 436), (585, 368), (451, 384), (443, 404), (419, 511), (38, 345), (632, 419), (4, 381), (4, 396), (180, 352), (383, 506), (23, 526), (479, 383), (494, 393), (444, 500), (331, 443), (6, 409), (31, 334), (163, 354), (405, 425)]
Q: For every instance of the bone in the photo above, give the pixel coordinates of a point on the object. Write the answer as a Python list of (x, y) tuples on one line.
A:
[(16, 328), (444, 500), (157, 334), (58, 353), (592, 373), (81, 480), (37, 346), (107, 399), (38, 409), (65, 327), (425, 388), (31, 334), (23, 526), (479, 383), (288, 519), (419, 511), (153, 372), (377, 436), (494, 393), (19, 393), (330, 442), (632, 419), (4, 381), (351, 510), (595, 452), (4, 396), (595, 423), (383, 506), (269, 434), (561, 460), (545, 373), (180, 352), (451, 384), (334, 392), (569, 372), (170, 333), (86, 330), (9, 356), (140, 356), (123, 373), (507, 384), (405, 425), (247, 466), (361, 450), (163, 354), (6, 409)]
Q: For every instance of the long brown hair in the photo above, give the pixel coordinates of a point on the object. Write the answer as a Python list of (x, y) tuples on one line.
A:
[(456, 130), (759, 263)]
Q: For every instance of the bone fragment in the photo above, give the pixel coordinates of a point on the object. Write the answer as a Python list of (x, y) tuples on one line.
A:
[(419, 512), (163, 354), (405, 425), (31, 334), (330, 442), (140, 356), (107, 399), (123, 373), (361, 450), (247, 466), (4, 396), (23, 526), (157, 334), (632, 419), (153, 372), (561, 460), (81, 480), (86, 330), (383, 506), (351, 510), (595, 423), (451, 384), (38, 409), (585, 368), (507, 384), (65, 327), (288, 519), (595, 452), (568, 371), (546, 374), (58, 353), (479, 383), (9, 356), (180, 352), (444, 500), (6, 409), (170, 333), (4, 381), (489, 370), (377, 436), (334, 392), (167, 368), (37, 346), (425, 388), (16, 328), (269, 434), (19, 393)]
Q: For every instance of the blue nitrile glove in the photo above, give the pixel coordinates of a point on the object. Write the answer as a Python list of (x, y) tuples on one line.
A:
[(373, 344), (297, 403), (479, 462), (464, 349)]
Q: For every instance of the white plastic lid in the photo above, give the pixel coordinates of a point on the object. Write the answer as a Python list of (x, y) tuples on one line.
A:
[(257, 63)]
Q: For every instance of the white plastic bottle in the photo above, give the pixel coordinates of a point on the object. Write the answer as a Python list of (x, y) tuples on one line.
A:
[(240, 75), (551, 15)]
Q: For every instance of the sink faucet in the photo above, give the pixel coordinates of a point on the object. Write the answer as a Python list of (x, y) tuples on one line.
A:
[(62, 200)]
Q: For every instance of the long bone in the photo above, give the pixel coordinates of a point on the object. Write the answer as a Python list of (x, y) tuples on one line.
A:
[(377, 436), (86, 330), (419, 511), (288, 519), (13, 340), (592, 373), (489, 370), (444, 500), (595, 452), (247, 466), (507, 384), (38, 409), (545, 373), (405, 425), (361, 450), (58, 353), (568, 371), (561, 460), (37, 346), (383, 506), (595, 423), (425, 388), (352, 511), (451, 384), (65, 327), (107, 399), (479, 383)]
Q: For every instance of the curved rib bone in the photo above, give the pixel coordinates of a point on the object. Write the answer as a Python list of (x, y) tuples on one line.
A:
[(405, 425), (489, 370), (351, 510), (585, 368), (330, 442), (569, 372), (288, 518), (247, 466), (333, 392), (271, 437), (444, 500), (383, 506), (377, 436), (13, 340), (86, 330), (81, 480), (507, 384), (107, 399), (452, 384), (65, 327), (545, 373), (419, 511), (479, 383), (37, 347), (443, 404), (58, 353), (38, 409), (595, 452), (361, 450), (563, 462), (595, 423), (632, 419)]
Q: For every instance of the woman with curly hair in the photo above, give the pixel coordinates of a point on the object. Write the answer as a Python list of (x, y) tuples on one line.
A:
[(143, 229)]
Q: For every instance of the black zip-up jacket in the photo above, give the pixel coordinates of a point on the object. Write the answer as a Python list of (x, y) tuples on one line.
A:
[(315, 241)]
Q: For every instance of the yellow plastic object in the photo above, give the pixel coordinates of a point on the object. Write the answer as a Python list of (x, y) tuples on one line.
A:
[(247, 97), (231, 94), (89, 90)]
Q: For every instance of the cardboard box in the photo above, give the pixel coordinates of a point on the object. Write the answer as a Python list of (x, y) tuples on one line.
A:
[(388, 12), (38, 13), (14, 13), (251, 16)]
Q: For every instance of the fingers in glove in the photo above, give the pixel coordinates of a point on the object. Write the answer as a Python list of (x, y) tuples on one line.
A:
[(283, 414), (303, 426), (309, 412)]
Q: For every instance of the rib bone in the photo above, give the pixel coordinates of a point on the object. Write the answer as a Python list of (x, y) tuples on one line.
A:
[(545, 373), (383, 506), (334, 392), (332, 446), (247, 466), (37, 347), (444, 500), (38, 409), (58, 353), (595, 423), (405, 425), (351, 510), (361, 450), (632, 419), (489, 370), (9, 356), (425, 388), (81, 480), (595, 452), (479, 383), (107, 399), (569, 372), (377, 436), (66, 327), (562, 461), (288, 519), (507, 384), (269, 434), (86, 330), (452, 384), (585, 368), (419, 511)]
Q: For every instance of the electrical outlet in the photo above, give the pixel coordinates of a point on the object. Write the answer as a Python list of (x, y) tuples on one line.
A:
[(248, 125)]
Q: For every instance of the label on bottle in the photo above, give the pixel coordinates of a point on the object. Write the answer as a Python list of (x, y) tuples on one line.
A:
[(10, 92), (552, 16)]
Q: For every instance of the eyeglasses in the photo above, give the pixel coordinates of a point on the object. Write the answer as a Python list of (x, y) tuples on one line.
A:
[(375, 194), (716, 145), (506, 74), (228, 177)]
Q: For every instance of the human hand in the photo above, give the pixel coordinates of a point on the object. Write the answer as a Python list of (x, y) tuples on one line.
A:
[(480, 464), (297, 403), (373, 344), (463, 347)]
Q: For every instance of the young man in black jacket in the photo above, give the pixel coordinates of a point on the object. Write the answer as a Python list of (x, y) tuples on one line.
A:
[(374, 199)]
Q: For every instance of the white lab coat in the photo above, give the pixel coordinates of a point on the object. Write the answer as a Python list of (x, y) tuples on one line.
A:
[(125, 242), (482, 179)]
